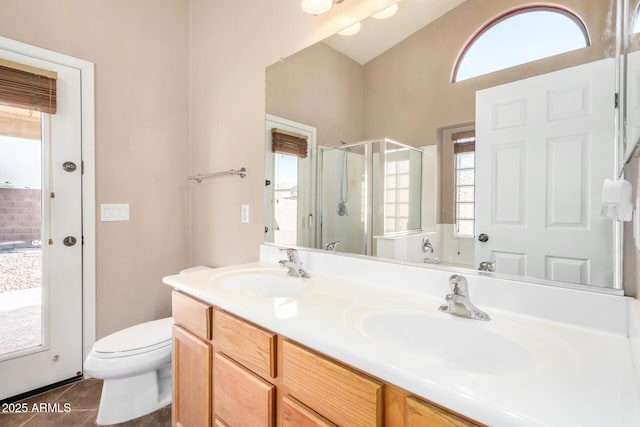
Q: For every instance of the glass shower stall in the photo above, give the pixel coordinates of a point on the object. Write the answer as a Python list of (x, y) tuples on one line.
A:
[(368, 189)]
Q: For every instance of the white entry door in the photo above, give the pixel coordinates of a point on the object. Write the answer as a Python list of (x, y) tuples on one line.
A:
[(544, 146), (54, 352), (290, 196)]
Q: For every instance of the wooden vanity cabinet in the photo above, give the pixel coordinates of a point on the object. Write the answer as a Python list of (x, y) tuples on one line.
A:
[(192, 357)]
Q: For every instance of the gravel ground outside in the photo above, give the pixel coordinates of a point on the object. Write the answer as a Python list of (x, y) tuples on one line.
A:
[(20, 270)]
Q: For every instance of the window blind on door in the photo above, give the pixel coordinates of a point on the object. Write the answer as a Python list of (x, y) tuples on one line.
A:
[(27, 87), (291, 143)]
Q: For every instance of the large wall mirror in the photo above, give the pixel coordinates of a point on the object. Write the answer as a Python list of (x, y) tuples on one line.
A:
[(472, 134), (631, 59)]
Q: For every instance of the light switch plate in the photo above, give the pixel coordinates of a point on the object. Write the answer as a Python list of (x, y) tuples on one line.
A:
[(114, 212), (244, 214)]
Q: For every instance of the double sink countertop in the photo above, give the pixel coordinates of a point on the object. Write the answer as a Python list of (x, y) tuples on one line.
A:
[(518, 369)]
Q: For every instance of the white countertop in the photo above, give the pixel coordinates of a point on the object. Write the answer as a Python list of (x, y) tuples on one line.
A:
[(558, 374)]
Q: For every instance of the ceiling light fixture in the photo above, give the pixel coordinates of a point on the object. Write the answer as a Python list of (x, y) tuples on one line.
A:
[(317, 7), (387, 12), (350, 30)]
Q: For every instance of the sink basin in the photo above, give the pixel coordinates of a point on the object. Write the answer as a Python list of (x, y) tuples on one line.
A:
[(263, 283), (495, 347)]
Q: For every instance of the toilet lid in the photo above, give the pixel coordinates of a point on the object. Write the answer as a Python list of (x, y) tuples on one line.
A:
[(142, 337)]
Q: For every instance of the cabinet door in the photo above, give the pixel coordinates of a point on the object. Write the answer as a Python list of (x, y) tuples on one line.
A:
[(191, 380), (295, 414), (422, 414), (241, 398), (336, 392)]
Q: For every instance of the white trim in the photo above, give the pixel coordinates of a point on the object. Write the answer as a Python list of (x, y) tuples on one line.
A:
[(86, 69)]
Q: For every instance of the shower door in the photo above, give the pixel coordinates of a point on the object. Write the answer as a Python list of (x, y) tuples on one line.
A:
[(369, 190), (344, 194)]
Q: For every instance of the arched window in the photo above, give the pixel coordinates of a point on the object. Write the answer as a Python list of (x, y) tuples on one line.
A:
[(519, 36)]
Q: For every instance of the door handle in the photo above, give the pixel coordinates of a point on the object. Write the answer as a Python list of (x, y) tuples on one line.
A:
[(483, 238), (69, 241), (69, 166)]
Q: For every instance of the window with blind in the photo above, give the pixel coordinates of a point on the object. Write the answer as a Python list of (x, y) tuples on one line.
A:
[(464, 147)]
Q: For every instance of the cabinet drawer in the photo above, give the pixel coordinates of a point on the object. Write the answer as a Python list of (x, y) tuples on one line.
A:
[(295, 414), (241, 398), (336, 392), (192, 314), (423, 414), (249, 345)]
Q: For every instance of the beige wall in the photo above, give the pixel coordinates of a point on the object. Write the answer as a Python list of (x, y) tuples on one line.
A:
[(141, 103), (319, 87)]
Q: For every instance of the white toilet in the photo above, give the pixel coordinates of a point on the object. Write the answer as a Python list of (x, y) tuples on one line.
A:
[(135, 364)]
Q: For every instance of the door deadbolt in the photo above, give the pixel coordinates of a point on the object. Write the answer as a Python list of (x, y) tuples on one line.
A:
[(69, 166), (69, 241)]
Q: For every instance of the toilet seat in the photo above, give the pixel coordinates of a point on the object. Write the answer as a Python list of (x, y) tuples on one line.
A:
[(138, 339)]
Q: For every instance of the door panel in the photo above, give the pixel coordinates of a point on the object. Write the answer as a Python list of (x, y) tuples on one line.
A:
[(59, 355), (544, 147), (290, 215)]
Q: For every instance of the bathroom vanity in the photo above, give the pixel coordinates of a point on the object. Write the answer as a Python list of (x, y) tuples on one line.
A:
[(362, 343), (237, 377)]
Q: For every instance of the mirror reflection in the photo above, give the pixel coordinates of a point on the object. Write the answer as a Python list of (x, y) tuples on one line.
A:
[(370, 192), (397, 156), (632, 79)]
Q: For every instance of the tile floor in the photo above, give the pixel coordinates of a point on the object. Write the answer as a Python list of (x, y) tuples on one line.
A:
[(83, 398)]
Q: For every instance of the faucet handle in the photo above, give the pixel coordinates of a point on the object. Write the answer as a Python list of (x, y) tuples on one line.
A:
[(292, 254), (459, 285), (487, 266)]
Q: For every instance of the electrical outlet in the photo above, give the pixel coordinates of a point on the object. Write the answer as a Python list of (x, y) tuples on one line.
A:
[(244, 214)]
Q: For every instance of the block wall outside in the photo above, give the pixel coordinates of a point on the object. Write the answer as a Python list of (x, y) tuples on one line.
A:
[(20, 218)]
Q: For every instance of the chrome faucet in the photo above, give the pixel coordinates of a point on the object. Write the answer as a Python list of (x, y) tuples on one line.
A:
[(487, 266), (294, 264), (426, 245), (458, 302), (331, 246)]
